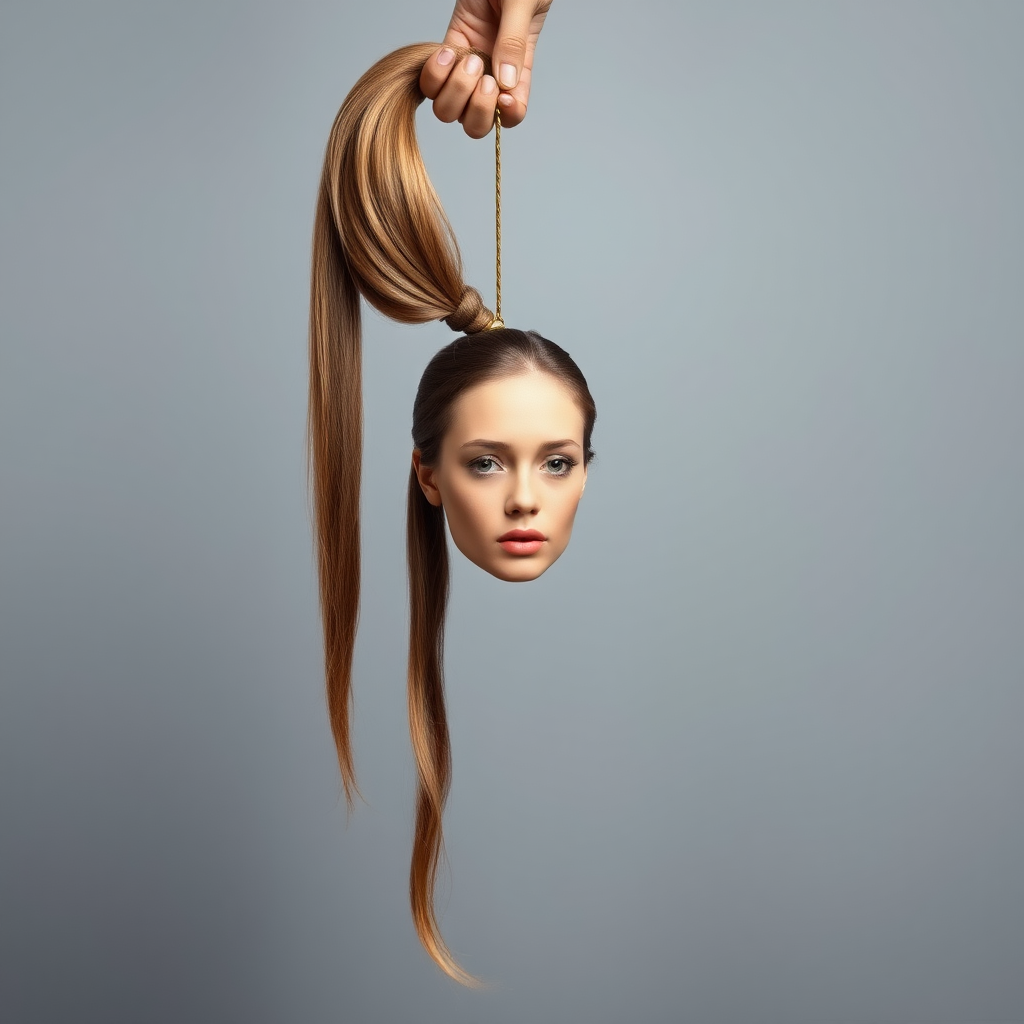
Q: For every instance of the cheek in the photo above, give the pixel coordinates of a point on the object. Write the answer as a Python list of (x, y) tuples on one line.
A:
[(469, 510), (567, 511), (573, 502)]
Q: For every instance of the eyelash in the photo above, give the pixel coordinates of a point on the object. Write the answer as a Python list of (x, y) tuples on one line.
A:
[(569, 462)]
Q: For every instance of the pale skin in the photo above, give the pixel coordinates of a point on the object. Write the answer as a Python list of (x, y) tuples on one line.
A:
[(507, 31), (512, 460)]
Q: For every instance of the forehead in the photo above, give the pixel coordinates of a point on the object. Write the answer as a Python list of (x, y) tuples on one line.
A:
[(528, 406)]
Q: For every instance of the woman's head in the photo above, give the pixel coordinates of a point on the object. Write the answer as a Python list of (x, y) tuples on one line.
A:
[(502, 426)]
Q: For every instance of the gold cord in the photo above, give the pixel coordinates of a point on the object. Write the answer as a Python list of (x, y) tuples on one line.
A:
[(497, 321)]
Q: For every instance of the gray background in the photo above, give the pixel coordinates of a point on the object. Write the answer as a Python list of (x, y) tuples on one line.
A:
[(749, 752)]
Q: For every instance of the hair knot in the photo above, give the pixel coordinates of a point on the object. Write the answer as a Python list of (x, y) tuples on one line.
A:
[(471, 315)]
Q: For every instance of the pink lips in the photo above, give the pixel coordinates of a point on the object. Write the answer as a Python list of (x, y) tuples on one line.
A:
[(522, 542)]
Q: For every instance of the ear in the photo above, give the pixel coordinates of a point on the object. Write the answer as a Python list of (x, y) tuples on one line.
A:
[(425, 475)]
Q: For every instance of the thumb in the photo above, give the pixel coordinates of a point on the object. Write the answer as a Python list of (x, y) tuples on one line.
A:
[(509, 55)]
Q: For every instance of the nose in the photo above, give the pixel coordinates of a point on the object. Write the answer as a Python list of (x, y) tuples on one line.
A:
[(522, 497)]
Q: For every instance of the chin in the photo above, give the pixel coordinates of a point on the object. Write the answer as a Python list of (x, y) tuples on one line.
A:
[(521, 573), (511, 568)]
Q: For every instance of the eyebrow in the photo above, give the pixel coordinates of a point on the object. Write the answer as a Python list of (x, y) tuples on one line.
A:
[(501, 446)]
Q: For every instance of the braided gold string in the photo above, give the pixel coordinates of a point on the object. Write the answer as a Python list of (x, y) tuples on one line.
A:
[(497, 321)]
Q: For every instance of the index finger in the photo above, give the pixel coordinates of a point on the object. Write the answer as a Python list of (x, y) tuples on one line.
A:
[(436, 70)]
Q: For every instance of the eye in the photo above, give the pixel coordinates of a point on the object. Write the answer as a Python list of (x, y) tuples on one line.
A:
[(487, 465), (560, 465)]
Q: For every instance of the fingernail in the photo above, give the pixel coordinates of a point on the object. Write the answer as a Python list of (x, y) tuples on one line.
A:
[(445, 57), (505, 100), (488, 85), (474, 65), (508, 75)]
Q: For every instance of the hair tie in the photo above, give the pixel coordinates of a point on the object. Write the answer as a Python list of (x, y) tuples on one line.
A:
[(470, 316)]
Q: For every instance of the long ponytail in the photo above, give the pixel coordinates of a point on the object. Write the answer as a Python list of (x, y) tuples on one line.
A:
[(380, 232), (427, 550)]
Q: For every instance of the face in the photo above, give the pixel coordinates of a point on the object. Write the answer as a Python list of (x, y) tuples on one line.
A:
[(510, 474)]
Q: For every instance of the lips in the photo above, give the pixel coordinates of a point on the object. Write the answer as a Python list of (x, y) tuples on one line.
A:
[(522, 542), (522, 535)]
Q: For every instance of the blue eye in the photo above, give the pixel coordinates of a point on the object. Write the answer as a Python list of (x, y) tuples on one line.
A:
[(560, 466), (486, 466)]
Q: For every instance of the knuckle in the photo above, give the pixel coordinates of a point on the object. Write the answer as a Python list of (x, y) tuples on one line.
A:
[(513, 46)]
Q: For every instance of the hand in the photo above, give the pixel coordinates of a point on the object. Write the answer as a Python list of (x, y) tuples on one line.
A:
[(507, 30)]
